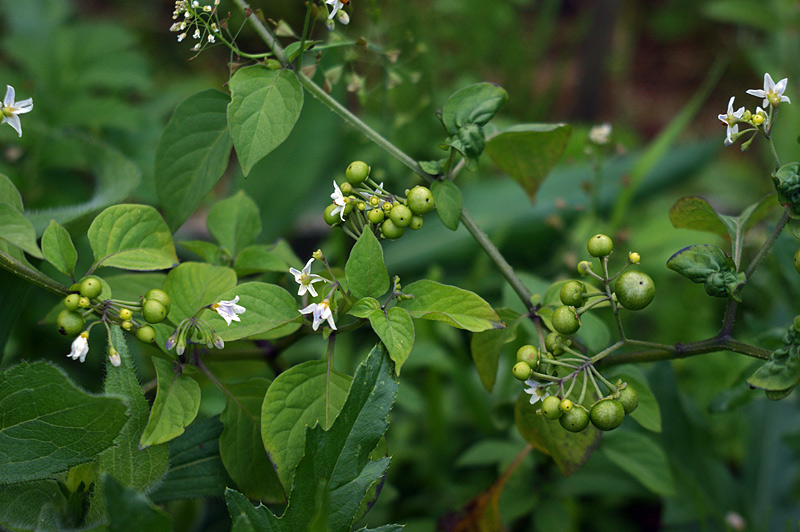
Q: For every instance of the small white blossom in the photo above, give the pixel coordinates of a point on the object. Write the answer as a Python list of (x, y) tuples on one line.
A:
[(113, 357), (80, 347), (537, 390), (772, 92), (600, 134), (306, 279), (229, 310), (344, 18), (336, 5), (731, 119), (321, 312), (211, 38), (181, 37), (10, 109), (339, 200)]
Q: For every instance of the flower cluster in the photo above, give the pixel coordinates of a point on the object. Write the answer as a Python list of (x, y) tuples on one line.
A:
[(10, 110), (201, 21), (760, 120), (337, 10), (319, 311)]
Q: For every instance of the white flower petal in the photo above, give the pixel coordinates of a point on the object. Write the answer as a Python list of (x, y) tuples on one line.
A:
[(8, 101)]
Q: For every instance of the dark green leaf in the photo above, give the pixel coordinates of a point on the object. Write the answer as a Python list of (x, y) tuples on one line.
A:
[(234, 222), (131, 511), (259, 259), (395, 328), (694, 212), (30, 506), (448, 201), (647, 414), (58, 249), (476, 104), (18, 231), (451, 305), (210, 253), (9, 193), (175, 407), (366, 273), (642, 458), (698, 262), (486, 347), (193, 285)]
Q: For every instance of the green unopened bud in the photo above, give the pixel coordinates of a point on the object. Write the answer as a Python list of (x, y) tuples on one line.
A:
[(346, 188), (219, 343), (113, 356), (634, 257), (318, 255)]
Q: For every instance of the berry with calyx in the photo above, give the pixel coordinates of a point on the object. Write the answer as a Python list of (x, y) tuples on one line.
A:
[(635, 290), (600, 246), (160, 296), (330, 218), (346, 188), (521, 371), (550, 407), (401, 215), (529, 354), (125, 314), (375, 216), (154, 311), (572, 293), (420, 200), (416, 222), (126, 325), (584, 267), (565, 320), (576, 419), (71, 301), (628, 398), (357, 172), (84, 302), (634, 257), (553, 342), (566, 405), (390, 230), (91, 287), (607, 414), (69, 322), (146, 334)]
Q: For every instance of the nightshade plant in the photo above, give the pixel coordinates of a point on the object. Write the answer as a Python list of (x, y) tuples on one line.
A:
[(310, 444)]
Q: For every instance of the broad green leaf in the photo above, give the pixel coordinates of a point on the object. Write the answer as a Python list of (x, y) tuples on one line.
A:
[(486, 346), (240, 444), (131, 511), (49, 424), (18, 231), (364, 307), (642, 458), (395, 328), (265, 104), (365, 270), (30, 506), (694, 212), (13, 300), (235, 222), (527, 152), (131, 286), (192, 154), (9, 193), (209, 252), (132, 237), (594, 333), (475, 104), (433, 167), (259, 259), (569, 450), (294, 401), (448, 201), (780, 372), (647, 414), (176, 405), (451, 305), (195, 466), (58, 249), (268, 307), (249, 518), (699, 261), (193, 285)]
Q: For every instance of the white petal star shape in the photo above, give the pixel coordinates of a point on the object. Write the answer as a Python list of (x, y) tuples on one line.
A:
[(80, 347), (336, 5), (306, 279), (229, 310), (537, 390), (10, 110), (339, 200), (320, 311), (730, 119), (772, 92)]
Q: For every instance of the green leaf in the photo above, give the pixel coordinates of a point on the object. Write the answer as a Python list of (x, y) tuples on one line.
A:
[(447, 197), (240, 444), (527, 152), (131, 286), (192, 154), (642, 458), (131, 511), (176, 405), (568, 450), (486, 346), (195, 466), (364, 307), (30, 506), (58, 249), (395, 328), (247, 518), (741, 13), (694, 212), (49, 424), (780, 372), (648, 413), (475, 104), (365, 270), (268, 307), (259, 259), (193, 285), (294, 401), (132, 237), (211, 253), (18, 231), (451, 305), (235, 222), (9, 193), (265, 104), (432, 167), (711, 266)]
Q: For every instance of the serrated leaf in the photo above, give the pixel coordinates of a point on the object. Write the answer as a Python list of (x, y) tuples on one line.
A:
[(49, 424), (259, 259), (447, 197), (193, 285), (395, 328), (131, 511), (235, 222), (18, 231), (365, 270), (364, 307), (58, 249), (265, 104), (648, 413), (132, 237), (9, 193), (268, 307), (486, 346), (240, 444), (451, 305), (192, 154), (476, 104), (642, 458), (527, 152), (175, 407)]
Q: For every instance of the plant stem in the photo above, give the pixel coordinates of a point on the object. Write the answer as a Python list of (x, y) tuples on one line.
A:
[(25, 272), (299, 63), (709, 345), (263, 32), (768, 243)]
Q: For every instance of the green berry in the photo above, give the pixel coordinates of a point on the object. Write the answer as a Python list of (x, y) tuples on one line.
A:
[(566, 405), (576, 419), (357, 172), (420, 200), (84, 302), (160, 296), (607, 414), (125, 314), (391, 231), (126, 325), (584, 267), (552, 343), (529, 354), (375, 216), (346, 188), (416, 222), (91, 287), (386, 206), (634, 290), (628, 398), (71, 301), (330, 218), (565, 320), (550, 407), (146, 334), (69, 322), (521, 371), (572, 293), (796, 260), (401, 215), (154, 311), (600, 246)]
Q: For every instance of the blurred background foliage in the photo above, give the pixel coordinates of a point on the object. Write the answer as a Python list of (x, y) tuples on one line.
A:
[(106, 75)]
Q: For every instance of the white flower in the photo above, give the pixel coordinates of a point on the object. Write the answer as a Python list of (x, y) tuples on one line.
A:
[(211, 38), (731, 119), (343, 17), (10, 109), (306, 279), (80, 346), (196, 34), (772, 93), (339, 200), (336, 6), (181, 37), (321, 312), (113, 357), (537, 390), (229, 310), (600, 134)]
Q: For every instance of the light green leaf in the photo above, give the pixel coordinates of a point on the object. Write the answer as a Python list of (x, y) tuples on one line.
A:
[(451, 305), (192, 154), (132, 237), (486, 346), (17, 230), (193, 285), (49, 424), (235, 222), (264, 107), (268, 307), (176, 405), (475, 104), (642, 458), (527, 152), (447, 197), (365, 270), (294, 401), (395, 328), (9, 193), (131, 511), (259, 259), (648, 413), (364, 307), (694, 212), (780, 372), (58, 249), (240, 444)]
